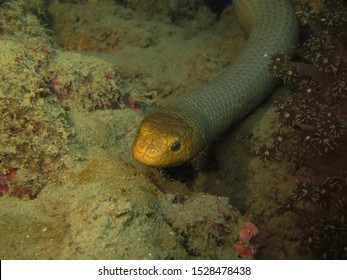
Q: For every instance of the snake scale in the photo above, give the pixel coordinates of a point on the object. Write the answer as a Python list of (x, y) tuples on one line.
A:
[(180, 128)]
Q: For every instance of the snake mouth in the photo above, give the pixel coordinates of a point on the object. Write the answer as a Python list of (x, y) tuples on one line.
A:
[(145, 153), (167, 139), (149, 149), (159, 141), (146, 150)]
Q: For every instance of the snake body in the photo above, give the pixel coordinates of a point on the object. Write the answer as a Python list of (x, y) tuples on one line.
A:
[(177, 130)]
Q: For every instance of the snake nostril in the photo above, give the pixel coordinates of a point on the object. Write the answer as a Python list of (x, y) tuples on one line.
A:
[(176, 146), (141, 144)]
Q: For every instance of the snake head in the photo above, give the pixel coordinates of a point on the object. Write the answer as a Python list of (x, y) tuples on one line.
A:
[(164, 139)]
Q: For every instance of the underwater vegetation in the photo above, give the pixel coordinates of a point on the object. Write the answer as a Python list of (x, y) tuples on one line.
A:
[(312, 129)]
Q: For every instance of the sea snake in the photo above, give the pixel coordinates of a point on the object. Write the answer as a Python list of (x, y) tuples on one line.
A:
[(180, 128)]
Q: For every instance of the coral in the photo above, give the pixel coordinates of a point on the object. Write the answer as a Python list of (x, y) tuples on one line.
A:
[(245, 248), (312, 122), (248, 231)]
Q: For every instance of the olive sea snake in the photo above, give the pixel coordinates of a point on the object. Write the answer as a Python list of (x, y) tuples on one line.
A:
[(177, 130)]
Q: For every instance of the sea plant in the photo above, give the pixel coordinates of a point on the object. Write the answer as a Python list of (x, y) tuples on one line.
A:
[(312, 128)]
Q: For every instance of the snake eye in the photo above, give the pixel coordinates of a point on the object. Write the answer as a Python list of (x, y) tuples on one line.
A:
[(176, 146)]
